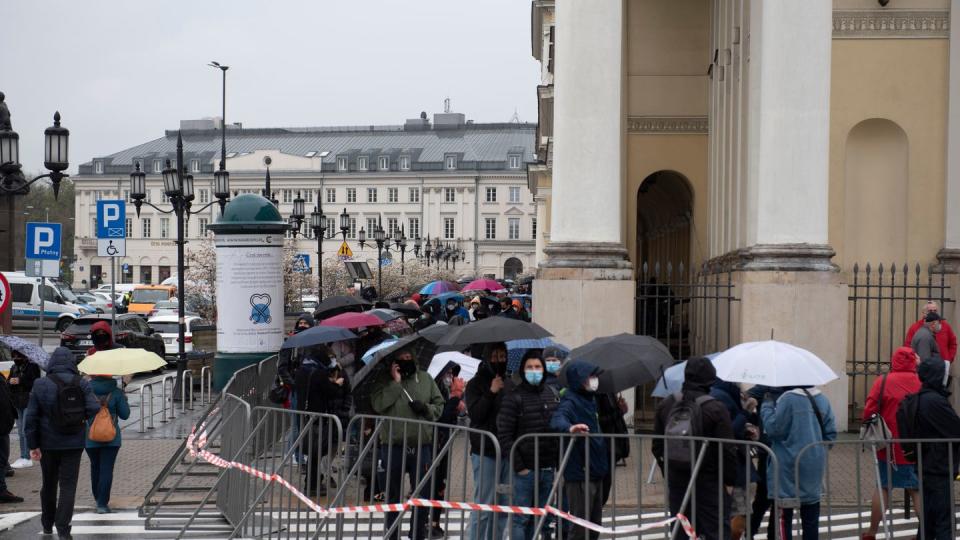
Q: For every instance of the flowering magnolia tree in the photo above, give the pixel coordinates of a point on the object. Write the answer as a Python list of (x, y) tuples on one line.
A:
[(336, 280)]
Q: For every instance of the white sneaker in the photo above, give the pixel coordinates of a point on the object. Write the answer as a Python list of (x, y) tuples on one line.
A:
[(22, 464)]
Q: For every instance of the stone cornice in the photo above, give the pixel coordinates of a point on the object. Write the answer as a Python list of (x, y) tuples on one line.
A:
[(655, 125), (891, 23)]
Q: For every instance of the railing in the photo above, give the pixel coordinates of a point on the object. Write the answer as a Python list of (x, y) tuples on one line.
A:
[(147, 404)]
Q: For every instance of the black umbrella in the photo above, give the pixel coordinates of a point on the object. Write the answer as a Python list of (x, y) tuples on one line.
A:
[(627, 360), (407, 310), (336, 305), (318, 335), (492, 330), (386, 315), (367, 377)]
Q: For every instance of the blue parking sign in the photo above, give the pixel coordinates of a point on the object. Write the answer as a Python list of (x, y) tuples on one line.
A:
[(111, 219), (43, 241), (301, 263)]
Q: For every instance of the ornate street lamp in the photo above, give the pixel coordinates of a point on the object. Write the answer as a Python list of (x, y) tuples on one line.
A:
[(427, 250), (416, 247), (401, 243), (344, 224), (56, 146), (318, 222)]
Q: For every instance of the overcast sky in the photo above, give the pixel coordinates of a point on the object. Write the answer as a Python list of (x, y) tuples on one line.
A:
[(121, 72)]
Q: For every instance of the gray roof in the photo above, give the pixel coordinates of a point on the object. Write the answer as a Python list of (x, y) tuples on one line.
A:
[(477, 146)]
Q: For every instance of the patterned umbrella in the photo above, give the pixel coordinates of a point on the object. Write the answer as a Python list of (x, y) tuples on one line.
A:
[(484, 284), (32, 351), (518, 347), (436, 287)]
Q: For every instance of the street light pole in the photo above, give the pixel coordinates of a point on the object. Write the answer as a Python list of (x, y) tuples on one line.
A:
[(223, 114), (318, 222)]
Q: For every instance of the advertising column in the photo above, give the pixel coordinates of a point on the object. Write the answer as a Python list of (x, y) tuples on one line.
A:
[(249, 244)]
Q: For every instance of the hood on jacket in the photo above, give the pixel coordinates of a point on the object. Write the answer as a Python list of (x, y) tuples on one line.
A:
[(699, 375), (904, 359), (577, 373), (450, 365), (931, 373), (61, 361), (102, 326), (729, 388), (304, 317), (103, 385)]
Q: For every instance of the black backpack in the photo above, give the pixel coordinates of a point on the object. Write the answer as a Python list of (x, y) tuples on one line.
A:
[(684, 420), (907, 425), (70, 414)]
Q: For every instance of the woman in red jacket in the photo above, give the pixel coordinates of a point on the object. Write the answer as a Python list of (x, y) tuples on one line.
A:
[(900, 474)]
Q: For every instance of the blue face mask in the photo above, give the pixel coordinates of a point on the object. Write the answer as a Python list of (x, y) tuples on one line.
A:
[(553, 367), (533, 377)]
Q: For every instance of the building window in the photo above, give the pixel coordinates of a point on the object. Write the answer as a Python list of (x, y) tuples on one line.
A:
[(533, 228), (204, 195), (149, 197), (371, 226), (393, 228), (164, 227), (450, 162), (126, 194), (163, 197), (203, 227), (404, 163), (491, 194), (351, 195), (128, 225), (342, 163), (288, 195), (514, 161), (332, 228), (413, 227), (383, 163), (513, 228), (371, 194), (98, 167), (514, 194), (393, 195), (352, 233), (491, 229), (308, 195), (331, 195), (194, 165), (448, 230), (362, 163), (449, 195), (157, 166), (144, 227), (414, 195)]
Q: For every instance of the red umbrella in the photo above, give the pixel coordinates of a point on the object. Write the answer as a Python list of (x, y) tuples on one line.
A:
[(484, 283), (352, 320)]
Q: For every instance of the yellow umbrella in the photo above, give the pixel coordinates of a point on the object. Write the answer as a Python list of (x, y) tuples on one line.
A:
[(121, 362)]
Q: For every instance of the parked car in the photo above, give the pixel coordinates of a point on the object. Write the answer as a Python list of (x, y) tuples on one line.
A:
[(131, 331), (58, 312), (144, 297), (166, 326), (309, 302), (169, 307), (69, 296), (100, 301)]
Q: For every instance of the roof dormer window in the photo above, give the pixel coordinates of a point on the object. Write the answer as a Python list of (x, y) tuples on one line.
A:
[(383, 163), (98, 167), (450, 162), (362, 163), (342, 163)]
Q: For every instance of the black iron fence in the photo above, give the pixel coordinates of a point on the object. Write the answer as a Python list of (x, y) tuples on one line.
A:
[(884, 301)]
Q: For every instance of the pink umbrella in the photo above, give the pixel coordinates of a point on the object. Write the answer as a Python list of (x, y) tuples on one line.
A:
[(352, 320), (484, 283)]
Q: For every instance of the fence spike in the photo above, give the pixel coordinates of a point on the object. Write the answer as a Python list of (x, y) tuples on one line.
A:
[(906, 270), (645, 268), (656, 268), (868, 269), (681, 269), (893, 270), (918, 271), (856, 267), (880, 270), (669, 269)]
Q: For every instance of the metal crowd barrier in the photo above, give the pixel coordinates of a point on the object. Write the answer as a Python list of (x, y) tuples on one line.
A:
[(147, 404)]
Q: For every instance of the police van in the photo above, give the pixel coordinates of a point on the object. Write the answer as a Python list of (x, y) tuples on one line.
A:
[(58, 313)]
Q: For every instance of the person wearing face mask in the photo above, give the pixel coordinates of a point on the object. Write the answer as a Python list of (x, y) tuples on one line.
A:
[(527, 409), (577, 414), (451, 388), (288, 362), (484, 396), (926, 342), (406, 392), (102, 336), (553, 358), (946, 338), (454, 309)]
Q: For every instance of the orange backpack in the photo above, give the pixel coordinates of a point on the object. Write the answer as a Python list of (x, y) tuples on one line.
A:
[(103, 430)]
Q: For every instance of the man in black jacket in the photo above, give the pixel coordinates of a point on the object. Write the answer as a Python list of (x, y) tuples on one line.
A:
[(8, 414), (22, 376), (322, 388), (709, 515), (936, 419)]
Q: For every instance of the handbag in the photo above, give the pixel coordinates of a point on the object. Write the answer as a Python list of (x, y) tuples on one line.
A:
[(103, 430), (278, 393), (875, 429)]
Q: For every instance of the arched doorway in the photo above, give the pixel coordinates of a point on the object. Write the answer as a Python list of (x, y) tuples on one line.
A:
[(512, 268), (664, 214)]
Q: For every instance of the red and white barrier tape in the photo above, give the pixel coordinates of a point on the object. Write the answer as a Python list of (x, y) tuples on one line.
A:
[(196, 446)]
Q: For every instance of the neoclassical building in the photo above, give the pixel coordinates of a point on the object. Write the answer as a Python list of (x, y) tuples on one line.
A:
[(772, 149), (449, 178)]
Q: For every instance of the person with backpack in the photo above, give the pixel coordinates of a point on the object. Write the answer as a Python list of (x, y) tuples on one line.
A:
[(23, 373), (56, 420), (928, 415), (895, 471), (102, 449), (800, 417), (528, 409), (577, 414), (693, 412), (8, 413), (321, 389)]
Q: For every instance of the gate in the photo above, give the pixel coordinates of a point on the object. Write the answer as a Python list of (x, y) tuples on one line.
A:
[(883, 302)]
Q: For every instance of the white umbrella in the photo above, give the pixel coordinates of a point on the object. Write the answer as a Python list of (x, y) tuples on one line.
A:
[(468, 364), (772, 363)]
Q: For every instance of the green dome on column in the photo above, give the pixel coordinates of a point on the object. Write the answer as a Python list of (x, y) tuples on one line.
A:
[(249, 213)]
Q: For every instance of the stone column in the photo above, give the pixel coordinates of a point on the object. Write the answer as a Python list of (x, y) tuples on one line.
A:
[(584, 287)]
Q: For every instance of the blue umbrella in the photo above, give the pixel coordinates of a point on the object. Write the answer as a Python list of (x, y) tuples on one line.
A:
[(443, 297), (368, 356), (318, 335), (518, 347), (672, 380), (32, 351)]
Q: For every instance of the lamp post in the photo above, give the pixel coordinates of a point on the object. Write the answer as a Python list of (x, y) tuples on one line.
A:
[(427, 250), (178, 187), (318, 222), (382, 239), (416, 247), (401, 243), (223, 116)]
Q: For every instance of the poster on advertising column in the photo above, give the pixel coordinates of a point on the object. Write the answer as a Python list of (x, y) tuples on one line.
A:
[(249, 293)]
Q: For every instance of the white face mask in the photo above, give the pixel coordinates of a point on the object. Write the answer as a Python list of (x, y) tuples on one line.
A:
[(593, 383)]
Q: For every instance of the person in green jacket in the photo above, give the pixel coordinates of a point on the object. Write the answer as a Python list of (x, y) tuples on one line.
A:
[(103, 455), (408, 393)]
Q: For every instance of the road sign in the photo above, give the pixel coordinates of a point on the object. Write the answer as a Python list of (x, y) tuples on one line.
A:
[(111, 247), (111, 219), (345, 252), (6, 298), (42, 268), (125, 267), (301, 263), (43, 241)]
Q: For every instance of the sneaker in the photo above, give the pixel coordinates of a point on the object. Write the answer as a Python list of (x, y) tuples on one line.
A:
[(22, 464), (436, 531), (7, 497)]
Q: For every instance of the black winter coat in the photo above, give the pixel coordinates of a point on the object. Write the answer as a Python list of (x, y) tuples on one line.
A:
[(528, 409), (936, 419), (317, 393), (611, 421), (8, 413), (483, 407), (38, 425), (27, 373)]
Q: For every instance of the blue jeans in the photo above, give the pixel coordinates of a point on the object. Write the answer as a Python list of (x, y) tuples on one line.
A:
[(486, 477), (24, 451), (532, 490), (102, 460)]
